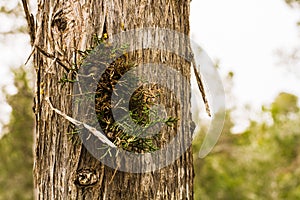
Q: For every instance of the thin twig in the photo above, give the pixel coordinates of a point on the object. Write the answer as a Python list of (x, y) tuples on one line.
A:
[(93, 130), (113, 176), (53, 57), (31, 54), (201, 88), (30, 21)]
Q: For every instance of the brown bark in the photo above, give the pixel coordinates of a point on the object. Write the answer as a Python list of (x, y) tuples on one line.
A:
[(64, 170)]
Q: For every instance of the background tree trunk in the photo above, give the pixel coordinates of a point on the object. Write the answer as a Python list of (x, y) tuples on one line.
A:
[(62, 28)]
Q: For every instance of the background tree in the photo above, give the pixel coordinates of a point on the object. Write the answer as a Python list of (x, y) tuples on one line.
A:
[(259, 163), (16, 160)]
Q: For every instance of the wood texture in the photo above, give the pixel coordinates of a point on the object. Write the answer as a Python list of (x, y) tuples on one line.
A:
[(63, 170)]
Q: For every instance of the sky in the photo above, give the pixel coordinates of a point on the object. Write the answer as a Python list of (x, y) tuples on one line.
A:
[(244, 35)]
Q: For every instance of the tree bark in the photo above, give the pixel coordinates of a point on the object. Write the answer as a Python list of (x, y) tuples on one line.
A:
[(62, 28)]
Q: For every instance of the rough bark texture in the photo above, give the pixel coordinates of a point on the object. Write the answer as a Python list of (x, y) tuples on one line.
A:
[(62, 28)]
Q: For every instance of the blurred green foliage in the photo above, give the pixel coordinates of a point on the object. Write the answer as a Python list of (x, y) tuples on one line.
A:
[(16, 157), (283, 105), (260, 163)]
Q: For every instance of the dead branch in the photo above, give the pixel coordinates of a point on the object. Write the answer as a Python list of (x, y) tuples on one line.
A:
[(201, 88), (48, 55), (93, 130), (30, 21)]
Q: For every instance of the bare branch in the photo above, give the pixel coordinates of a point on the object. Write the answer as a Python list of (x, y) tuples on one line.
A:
[(30, 21), (48, 55), (93, 130), (201, 88)]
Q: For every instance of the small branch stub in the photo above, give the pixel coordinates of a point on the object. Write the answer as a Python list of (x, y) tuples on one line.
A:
[(86, 177)]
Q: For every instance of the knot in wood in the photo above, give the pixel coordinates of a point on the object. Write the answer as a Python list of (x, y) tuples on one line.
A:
[(60, 23), (86, 177)]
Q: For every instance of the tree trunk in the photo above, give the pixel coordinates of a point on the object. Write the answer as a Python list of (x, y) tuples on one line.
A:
[(65, 170)]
